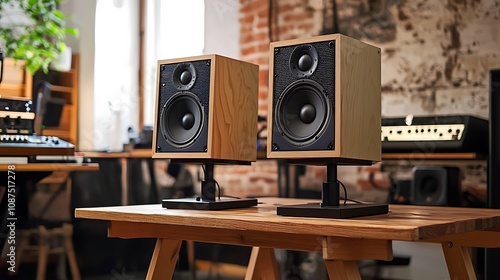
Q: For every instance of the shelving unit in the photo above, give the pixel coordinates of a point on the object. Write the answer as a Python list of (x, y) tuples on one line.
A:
[(16, 82), (65, 86)]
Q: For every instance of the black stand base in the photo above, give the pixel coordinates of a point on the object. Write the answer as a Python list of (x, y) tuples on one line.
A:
[(315, 210), (199, 204)]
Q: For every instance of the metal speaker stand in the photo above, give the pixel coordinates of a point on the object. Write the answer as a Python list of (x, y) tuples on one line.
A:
[(208, 199), (330, 206)]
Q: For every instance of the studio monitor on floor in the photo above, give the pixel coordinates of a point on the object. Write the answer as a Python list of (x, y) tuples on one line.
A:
[(436, 185), (324, 99), (206, 109)]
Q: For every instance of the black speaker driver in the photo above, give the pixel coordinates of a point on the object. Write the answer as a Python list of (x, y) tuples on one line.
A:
[(429, 189), (302, 112), (303, 61), (184, 76), (181, 119)]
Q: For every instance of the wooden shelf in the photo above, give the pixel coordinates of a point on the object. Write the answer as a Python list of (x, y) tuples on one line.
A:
[(63, 134), (65, 86), (443, 156), (62, 89), (16, 82)]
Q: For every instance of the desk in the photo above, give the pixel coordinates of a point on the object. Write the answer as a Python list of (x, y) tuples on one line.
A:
[(124, 157), (342, 242)]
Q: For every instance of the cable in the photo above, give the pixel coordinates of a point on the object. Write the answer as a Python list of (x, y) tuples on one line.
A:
[(345, 191), (345, 195), (218, 187)]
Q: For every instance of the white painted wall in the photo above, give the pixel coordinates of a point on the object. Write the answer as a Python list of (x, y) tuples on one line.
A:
[(109, 63), (81, 15), (222, 27)]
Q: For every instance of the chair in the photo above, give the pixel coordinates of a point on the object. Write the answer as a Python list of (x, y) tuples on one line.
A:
[(46, 235)]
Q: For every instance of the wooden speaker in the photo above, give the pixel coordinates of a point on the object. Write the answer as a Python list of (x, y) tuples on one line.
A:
[(206, 109), (324, 99)]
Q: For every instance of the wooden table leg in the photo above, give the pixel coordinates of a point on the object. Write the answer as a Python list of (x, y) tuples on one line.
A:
[(347, 270), (262, 265), (164, 259), (458, 261), (341, 255)]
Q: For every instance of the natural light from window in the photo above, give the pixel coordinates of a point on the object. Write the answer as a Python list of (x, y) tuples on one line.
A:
[(174, 29)]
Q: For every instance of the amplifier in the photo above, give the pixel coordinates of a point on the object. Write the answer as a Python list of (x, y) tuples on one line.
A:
[(428, 134), (16, 116)]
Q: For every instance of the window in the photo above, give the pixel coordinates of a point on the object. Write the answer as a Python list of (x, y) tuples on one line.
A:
[(173, 29)]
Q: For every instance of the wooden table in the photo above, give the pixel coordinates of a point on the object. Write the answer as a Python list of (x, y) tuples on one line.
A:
[(342, 242), (124, 158)]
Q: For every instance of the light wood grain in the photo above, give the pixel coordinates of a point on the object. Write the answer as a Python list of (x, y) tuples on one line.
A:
[(357, 100), (342, 270), (50, 167), (458, 262), (404, 222), (164, 259), (232, 110), (343, 241), (137, 153), (16, 82), (341, 248), (308, 243), (481, 239), (262, 265)]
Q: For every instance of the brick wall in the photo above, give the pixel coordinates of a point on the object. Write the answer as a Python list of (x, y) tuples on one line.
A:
[(435, 60)]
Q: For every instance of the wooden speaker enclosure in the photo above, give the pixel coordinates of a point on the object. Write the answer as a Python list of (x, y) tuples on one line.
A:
[(232, 111), (356, 105)]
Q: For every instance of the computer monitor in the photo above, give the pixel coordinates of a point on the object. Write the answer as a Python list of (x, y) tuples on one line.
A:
[(48, 109)]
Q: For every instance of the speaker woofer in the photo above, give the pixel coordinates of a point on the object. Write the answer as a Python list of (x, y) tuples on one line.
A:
[(184, 76), (181, 119), (303, 61), (302, 112), (429, 189)]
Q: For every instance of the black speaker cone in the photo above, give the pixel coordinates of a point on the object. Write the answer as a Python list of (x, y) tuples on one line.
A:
[(184, 76), (302, 112), (181, 119), (429, 189), (303, 61)]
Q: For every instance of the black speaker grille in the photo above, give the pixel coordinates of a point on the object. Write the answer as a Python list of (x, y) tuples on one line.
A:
[(323, 75), (169, 138)]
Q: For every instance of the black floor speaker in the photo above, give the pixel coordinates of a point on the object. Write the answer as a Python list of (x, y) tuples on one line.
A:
[(436, 185)]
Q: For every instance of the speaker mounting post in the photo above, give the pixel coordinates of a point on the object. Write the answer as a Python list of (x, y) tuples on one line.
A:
[(208, 199), (330, 206)]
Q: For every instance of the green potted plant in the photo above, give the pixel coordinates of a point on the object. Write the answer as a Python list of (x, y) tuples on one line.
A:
[(35, 34)]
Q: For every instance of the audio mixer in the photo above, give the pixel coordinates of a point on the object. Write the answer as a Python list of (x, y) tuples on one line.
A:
[(31, 145)]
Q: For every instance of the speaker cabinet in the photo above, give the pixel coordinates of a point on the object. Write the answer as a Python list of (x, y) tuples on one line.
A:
[(436, 185), (324, 99), (206, 109)]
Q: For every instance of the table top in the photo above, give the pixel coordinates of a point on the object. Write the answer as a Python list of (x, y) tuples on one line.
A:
[(403, 222), (136, 153), (34, 167)]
